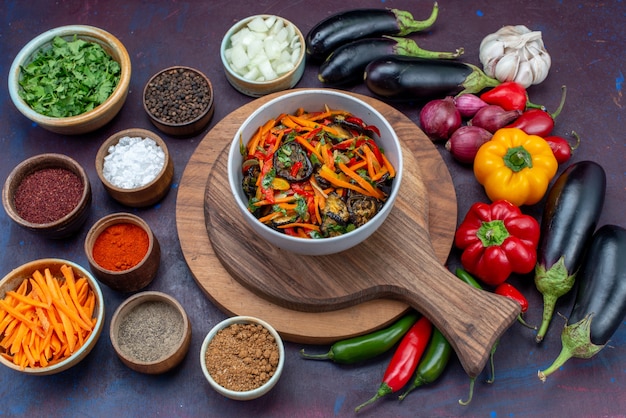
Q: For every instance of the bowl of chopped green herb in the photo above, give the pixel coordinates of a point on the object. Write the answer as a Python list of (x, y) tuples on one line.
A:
[(71, 79)]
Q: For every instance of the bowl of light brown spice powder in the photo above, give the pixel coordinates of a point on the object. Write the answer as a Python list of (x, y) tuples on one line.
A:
[(242, 357)]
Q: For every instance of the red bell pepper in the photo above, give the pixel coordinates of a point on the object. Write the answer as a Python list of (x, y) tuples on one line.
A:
[(404, 361), (538, 121), (497, 239), (509, 96)]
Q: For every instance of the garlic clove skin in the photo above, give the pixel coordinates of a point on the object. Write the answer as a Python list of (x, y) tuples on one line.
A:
[(515, 53)]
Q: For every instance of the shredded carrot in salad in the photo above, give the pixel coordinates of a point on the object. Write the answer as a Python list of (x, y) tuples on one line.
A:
[(46, 319), (295, 163)]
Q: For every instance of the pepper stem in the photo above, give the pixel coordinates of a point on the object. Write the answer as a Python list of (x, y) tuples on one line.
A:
[(576, 342), (408, 24), (557, 112), (471, 393), (325, 356), (577, 144), (492, 233), (521, 320), (410, 48), (492, 353), (383, 390), (517, 159)]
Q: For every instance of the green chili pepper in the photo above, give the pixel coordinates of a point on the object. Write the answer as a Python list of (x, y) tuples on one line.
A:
[(365, 347), (433, 363)]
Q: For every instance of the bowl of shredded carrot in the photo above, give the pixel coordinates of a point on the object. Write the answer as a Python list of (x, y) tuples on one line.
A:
[(315, 171), (51, 316)]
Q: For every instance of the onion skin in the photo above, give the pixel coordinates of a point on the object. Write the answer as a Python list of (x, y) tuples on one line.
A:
[(494, 117), (468, 104), (439, 118), (465, 142)]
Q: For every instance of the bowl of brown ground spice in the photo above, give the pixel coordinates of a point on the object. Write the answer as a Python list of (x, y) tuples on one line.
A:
[(150, 332), (179, 101), (242, 357), (122, 252), (49, 194)]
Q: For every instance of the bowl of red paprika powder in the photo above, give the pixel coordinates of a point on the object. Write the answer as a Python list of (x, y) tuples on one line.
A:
[(122, 252), (49, 194)]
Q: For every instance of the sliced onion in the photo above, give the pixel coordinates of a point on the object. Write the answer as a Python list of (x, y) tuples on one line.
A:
[(264, 49)]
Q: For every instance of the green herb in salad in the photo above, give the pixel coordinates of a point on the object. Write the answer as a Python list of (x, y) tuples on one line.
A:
[(70, 78)]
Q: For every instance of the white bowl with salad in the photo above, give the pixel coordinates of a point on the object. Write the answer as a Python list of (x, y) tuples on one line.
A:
[(323, 178), (37, 75)]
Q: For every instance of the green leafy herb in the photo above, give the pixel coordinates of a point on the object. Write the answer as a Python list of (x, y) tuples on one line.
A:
[(68, 79)]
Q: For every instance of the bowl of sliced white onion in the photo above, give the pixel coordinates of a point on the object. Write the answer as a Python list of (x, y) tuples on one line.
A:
[(263, 54)]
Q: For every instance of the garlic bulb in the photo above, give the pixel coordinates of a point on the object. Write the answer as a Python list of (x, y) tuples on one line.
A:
[(515, 53)]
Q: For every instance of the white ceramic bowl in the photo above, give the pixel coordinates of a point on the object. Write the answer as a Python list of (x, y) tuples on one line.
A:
[(13, 279), (261, 88), (312, 100), (250, 394), (88, 121)]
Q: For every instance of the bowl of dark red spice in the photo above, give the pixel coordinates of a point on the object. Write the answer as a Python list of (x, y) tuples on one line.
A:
[(122, 252), (135, 167), (49, 194), (242, 357), (150, 332), (179, 101)]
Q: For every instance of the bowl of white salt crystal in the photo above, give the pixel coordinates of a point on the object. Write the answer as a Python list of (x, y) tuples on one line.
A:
[(135, 167), (263, 54)]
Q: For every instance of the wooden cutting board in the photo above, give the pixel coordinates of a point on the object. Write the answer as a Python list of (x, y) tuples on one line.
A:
[(300, 326), (397, 261)]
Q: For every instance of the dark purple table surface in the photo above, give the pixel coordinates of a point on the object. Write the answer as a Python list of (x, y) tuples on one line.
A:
[(586, 41)]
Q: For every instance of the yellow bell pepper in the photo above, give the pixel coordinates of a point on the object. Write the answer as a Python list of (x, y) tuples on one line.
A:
[(515, 166)]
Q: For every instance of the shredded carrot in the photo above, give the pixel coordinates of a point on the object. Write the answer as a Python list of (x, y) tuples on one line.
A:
[(392, 171), (49, 318), (361, 181), (300, 225)]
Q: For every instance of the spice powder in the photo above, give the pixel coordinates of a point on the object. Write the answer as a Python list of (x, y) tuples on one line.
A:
[(120, 246), (150, 331), (242, 357), (47, 195)]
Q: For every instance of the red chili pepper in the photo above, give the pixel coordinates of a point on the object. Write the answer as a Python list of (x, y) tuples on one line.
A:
[(561, 147), (538, 121), (295, 168), (509, 96), (404, 360), (497, 239), (509, 291)]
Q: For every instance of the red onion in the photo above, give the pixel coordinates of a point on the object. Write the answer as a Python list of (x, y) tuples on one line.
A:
[(468, 104), (440, 118), (493, 117), (465, 141)]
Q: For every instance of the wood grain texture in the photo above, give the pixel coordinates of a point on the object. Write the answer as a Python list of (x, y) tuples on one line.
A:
[(397, 261), (300, 326)]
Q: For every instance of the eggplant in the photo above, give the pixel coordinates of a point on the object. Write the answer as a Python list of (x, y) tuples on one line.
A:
[(600, 304), (570, 217), (350, 25), (405, 78), (347, 63)]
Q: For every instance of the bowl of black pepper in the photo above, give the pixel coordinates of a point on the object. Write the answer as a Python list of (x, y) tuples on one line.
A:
[(48, 194), (150, 332), (179, 101)]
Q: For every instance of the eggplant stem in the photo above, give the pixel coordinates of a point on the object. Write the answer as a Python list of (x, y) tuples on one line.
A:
[(408, 25)]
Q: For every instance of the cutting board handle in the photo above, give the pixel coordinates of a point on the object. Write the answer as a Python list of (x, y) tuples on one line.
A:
[(471, 319)]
